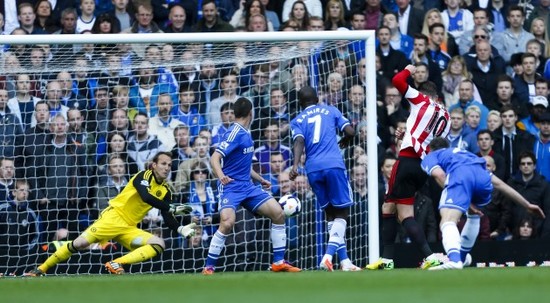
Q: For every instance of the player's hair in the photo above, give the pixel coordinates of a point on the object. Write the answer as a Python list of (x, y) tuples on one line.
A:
[(157, 156), (528, 154), (242, 107), (438, 143), (307, 96), (428, 88), (485, 131)]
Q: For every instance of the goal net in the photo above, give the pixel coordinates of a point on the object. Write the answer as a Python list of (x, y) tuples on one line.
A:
[(84, 113)]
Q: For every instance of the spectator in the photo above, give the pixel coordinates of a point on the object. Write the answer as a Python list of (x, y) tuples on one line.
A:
[(279, 109), (372, 16), (485, 143), (421, 54), (398, 41), (525, 230), (97, 123), (62, 177), (77, 133), (542, 87), (392, 59), (541, 11), (229, 85), (84, 83), (271, 16), (481, 20), (12, 68), (23, 103), (111, 76), (452, 76), (144, 21), (285, 185), (272, 143), (531, 124), (19, 228), (69, 97), (227, 117), (386, 168), (121, 99), (524, 84), (473, 121), (211, 22), (87, 17), (457, 20), (182, 151), (437, 34), (249, 8), (68, 27), (117, 178), (202, 196), (142, 147), (188, 73), (466, 99), (123, 12), (456, 136), (177, 20), (53, 98), (300, 19), (201, 147), (154, 55), (410, 18), (359, 184), (532, 186), (505, 96), (259, 93), (511, 141), (499, 210), (106, 24), (536, 48), (35, 141), (40, 74), (162, 125), (514, 38), (277, 164), (26, 19), (542, 146), (45, 20), (355, 104), (144, 95), (187, 113), (299, 10), (116, 146), (334, 15), (493, 120), (208, 86), (7, 180)]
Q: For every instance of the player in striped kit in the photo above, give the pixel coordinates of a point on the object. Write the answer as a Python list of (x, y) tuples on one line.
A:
[(428, 119)]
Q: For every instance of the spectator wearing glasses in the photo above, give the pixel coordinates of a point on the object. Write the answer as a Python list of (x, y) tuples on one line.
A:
[(481, 19)]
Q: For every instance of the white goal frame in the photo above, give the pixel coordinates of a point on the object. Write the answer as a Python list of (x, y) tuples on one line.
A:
[(367, 35)]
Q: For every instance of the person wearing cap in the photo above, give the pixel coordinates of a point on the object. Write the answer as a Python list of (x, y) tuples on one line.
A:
[(542, 146), (531, 124)]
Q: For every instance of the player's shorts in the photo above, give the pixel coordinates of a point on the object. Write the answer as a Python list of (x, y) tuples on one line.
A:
[(331, 186), (243, 193), (464, 188), (110, 226), (407, 177)]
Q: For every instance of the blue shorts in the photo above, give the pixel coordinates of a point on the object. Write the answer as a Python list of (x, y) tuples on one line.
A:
[(462, 188), (331, 186), (243, 193)]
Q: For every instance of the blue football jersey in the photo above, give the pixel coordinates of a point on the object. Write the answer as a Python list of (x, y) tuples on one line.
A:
[(318, 125), (237, 149), (450, 160)]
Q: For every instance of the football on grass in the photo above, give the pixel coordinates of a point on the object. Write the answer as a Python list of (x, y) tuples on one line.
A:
[(291, 205)]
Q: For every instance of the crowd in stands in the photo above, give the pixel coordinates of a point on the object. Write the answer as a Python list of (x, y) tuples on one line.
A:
[(77, 121)]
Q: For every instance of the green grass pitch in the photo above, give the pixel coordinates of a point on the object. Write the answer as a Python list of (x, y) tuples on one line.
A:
[(487, 285)]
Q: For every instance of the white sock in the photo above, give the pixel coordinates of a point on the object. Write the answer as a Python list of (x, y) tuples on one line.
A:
[(336, 238), (216, 245), (469, 233), (451, 240), (278, 241)]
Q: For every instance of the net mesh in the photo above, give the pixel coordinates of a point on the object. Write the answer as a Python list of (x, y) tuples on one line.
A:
[(74, 161)]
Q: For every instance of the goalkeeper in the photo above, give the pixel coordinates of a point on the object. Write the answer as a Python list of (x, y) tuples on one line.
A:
[(119, 220)]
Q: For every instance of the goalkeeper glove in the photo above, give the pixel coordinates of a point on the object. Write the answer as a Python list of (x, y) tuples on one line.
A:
[(180, 209), (188, 230)]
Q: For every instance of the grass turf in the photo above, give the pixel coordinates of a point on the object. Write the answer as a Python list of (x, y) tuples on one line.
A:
[(486, 285)]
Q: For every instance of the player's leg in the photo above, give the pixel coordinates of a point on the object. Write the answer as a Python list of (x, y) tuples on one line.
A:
[(451, 238), (468, 236), (100, 230), (265, 205), (143, 246), (227, 221)]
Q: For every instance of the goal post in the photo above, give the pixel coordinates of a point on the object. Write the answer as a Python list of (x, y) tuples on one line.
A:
[(223, 51)]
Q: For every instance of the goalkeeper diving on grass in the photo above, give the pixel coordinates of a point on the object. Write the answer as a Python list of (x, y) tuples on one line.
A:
[(118, 222)]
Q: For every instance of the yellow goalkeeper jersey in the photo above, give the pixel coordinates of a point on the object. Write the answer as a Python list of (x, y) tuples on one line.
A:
[(129, 204)]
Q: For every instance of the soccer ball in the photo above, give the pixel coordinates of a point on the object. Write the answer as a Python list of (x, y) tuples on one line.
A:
[(291, 205)]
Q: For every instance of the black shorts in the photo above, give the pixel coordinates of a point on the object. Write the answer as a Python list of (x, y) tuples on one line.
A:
[(407, 177)]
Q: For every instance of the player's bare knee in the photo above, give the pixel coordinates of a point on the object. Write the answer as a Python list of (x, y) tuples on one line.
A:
[(388, 209), (79, 243), (226, 225)]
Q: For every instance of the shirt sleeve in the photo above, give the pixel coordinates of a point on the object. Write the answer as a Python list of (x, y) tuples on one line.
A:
[(295, 129), (142, 186), (429, 163)]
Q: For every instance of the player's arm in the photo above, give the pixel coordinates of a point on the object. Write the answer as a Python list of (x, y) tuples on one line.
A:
[(439, 175), (256, 177), (349, 134), (216, 164), (516, 197), (298, 150), (400, 82), (141, 186)]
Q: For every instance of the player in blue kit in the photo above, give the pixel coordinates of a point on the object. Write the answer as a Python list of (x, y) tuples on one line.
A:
[(232, 164), (315, 128), (465, 181)]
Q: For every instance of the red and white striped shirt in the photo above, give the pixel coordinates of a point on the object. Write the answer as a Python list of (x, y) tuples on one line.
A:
[(427, 120)]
